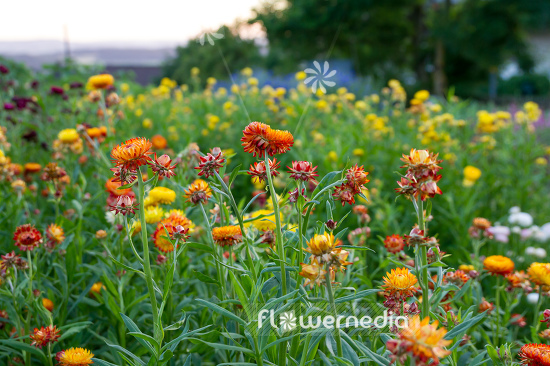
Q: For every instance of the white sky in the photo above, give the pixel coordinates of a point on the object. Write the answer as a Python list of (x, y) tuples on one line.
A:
[(117, 20)]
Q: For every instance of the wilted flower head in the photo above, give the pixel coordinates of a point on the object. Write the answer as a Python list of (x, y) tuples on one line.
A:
[(313, 273), (55, 235)]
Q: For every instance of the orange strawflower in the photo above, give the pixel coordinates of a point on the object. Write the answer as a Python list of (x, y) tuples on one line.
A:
[(75, 357), (176, 224), (96, 288), (259, 138), (400, 283), (132, 153), (32, 168), (394, 243), (159, 142), (227, 235), (533, 354), (55, 235), (102, 81), (112, 188), (198, 192), (424, 340), (26, 237), (481, 223), (498, 265), (48, 304)]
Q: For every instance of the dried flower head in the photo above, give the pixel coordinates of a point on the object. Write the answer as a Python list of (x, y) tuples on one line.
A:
[(400, 283), (26, 237), (259, 169), (75, 357)]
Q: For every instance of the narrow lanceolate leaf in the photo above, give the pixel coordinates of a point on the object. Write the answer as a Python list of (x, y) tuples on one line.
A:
[(221, 311), (226, 347)]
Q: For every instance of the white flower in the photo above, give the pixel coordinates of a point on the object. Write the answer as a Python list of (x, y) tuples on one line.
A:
[(521, 218), (111, 217), (516, 229), (209, 36), (540, 252), (500, 233), (514, 210), (533, 298), (530, 250), (319, 76)]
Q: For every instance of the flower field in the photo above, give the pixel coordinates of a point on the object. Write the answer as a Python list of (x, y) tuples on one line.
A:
[(199, 225)]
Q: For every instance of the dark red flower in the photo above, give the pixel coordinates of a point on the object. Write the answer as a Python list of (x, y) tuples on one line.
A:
[(259, 169), (210, 164), (302, 170)]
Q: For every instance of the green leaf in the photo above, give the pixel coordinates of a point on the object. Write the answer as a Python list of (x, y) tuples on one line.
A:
[(222, 311), (26, 348), (102, 363), (204, 278), (225, 347)]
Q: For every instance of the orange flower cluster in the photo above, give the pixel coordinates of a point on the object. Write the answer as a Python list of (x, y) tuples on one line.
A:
[(133, 153), (421, 177), (55, 235), (259, 139), (356, 178)]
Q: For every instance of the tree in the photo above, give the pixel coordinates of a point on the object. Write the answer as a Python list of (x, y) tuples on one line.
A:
[(238, 53)]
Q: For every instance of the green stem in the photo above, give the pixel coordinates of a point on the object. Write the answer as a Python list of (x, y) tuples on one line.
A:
[(146, 261), (497, 311), (425, 309), (241, 225), (334, 312), (280, 248), (537, 310), (217, 258), (278, 233)]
